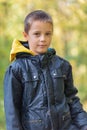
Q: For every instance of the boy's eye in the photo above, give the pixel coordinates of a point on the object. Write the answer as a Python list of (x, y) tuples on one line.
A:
[(37, 34), (48, 34)]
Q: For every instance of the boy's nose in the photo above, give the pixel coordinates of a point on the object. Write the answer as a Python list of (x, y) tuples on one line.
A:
[(42, 38)]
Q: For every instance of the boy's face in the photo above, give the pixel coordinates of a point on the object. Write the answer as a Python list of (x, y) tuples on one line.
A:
[(39, 36)]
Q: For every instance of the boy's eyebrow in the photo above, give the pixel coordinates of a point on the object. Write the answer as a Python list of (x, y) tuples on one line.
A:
[(40, 31), (49, 31)]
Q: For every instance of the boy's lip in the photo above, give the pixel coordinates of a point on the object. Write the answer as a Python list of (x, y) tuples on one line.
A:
[(42, 45)]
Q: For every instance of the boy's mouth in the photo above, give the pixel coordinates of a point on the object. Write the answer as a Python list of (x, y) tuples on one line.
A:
[(42, 46)]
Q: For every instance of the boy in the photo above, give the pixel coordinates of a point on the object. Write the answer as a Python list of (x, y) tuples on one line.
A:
[(38, 85)]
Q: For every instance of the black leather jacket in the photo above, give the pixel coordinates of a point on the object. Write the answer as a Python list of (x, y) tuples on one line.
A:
[(40, 95)]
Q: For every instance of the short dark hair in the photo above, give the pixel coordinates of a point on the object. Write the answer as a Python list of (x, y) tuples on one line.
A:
[(36, 15)]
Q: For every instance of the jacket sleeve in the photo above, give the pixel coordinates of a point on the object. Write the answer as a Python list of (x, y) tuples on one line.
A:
[(79, 116), (12, 100)]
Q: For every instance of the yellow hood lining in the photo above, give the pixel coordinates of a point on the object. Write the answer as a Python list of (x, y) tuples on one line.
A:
[(17, 47)]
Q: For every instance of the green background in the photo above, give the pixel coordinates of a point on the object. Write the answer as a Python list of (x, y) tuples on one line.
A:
[(69, 39)]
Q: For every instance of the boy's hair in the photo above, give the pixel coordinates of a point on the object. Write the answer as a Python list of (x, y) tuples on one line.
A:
[(34, 16)]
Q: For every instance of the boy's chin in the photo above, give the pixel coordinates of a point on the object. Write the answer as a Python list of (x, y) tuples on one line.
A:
[(43, 52)]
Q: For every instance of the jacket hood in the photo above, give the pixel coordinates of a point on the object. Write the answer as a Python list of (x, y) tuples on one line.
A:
[(18, 47)]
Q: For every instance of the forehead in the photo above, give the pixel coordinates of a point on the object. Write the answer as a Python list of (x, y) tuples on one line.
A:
[(41, 25)]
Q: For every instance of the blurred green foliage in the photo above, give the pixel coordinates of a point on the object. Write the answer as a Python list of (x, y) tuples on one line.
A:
[(69, 40)]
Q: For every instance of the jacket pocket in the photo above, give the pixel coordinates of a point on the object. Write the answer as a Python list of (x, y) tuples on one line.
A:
[(66, 116), (57, 74), (31, 80), (66, 120), (30, 77), (32, 124), (32, 121), (58, 84), (30, 85)]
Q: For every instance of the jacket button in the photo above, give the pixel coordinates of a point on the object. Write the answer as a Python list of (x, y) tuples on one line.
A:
[(54, 74), (35, 76)]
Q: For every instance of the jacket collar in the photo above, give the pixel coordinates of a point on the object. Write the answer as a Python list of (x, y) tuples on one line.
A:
[(21, 49)]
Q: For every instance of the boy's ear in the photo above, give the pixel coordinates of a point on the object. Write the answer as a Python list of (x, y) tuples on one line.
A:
[(25, 35)]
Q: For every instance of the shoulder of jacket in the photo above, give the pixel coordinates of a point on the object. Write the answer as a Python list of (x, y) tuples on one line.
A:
[(63, 63), (15, 66), (63, 60)]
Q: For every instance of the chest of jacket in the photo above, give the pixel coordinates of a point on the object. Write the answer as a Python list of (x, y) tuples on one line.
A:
[(44, 94), (42, 85)]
